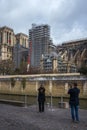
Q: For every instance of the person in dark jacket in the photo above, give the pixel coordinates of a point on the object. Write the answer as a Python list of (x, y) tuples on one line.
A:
[(74, 102), (41, 98)]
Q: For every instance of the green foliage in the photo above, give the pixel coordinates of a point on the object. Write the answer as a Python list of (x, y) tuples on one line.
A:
[(23, 83), (17, 71), (83, 70), (12, 82), (6, 67)]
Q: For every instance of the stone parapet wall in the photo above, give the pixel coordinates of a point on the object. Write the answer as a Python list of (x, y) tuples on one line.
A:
[(57, 88)]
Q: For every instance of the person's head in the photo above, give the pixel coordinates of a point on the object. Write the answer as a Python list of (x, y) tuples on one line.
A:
[(75, 84), (41, 85)]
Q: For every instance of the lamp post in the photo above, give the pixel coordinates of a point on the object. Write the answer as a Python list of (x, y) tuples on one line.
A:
[(50, 89), (25, 101), (37, 93)]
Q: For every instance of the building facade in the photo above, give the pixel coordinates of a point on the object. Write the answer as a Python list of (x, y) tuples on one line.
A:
[(21, 50), (55, 64), (74, 52), (13, 47), (38, 50), (7, 41), (39, 38)]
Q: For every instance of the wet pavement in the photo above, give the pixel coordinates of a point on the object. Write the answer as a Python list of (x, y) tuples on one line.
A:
[(28, 118)]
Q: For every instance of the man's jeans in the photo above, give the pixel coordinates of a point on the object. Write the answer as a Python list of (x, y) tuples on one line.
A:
[(74, 112)]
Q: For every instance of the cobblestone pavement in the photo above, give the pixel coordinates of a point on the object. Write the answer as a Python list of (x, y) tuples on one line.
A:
[(21, 118)]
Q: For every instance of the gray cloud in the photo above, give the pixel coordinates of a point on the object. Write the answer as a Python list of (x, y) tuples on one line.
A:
[(67, 18)]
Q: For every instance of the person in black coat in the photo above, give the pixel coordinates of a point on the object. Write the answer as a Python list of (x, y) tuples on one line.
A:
[(74, 102), (41, 98)]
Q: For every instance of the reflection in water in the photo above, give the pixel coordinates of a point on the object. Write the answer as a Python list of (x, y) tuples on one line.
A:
[(32, 100)]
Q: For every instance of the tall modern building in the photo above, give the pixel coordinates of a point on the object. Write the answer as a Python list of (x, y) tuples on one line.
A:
[(39, 40)]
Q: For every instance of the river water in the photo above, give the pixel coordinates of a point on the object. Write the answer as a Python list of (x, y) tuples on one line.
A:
[(51, 101)]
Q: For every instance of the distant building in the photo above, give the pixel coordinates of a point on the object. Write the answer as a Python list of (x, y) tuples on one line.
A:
[(39, 40), (54, 63), (7, 41), (74, 52), (38, 50), (21, 49)]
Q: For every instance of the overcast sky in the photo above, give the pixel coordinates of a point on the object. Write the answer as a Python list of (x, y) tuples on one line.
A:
[(67, 18)]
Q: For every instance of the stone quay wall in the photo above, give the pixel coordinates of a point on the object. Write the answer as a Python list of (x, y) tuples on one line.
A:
[(55, 84)]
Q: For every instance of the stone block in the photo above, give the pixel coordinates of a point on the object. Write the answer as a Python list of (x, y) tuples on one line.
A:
[(63, 105)]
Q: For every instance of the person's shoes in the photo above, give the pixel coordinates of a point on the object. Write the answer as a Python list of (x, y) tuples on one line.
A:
[(76, 121), (73, 120)]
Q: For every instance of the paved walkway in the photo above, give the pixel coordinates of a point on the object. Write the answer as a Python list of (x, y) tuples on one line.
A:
[(21, 118)]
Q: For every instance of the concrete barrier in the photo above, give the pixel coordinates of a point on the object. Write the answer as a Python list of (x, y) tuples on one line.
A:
[(63, 105), (12, 102)]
